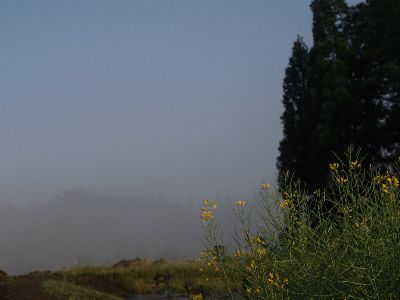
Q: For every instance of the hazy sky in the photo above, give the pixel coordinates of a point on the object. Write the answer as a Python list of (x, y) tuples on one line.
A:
[(181, 98)]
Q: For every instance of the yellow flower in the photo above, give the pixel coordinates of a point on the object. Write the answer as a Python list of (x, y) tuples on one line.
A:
[(204, 253), (395, 181), (257, 290), (355, 164), (212, 204), (341, 180), (334, 166), (198, 297), (253, 265), (240, 203), (238, 253), (257, 240), (248, 290), (270, 278), (206, 215), (385, 188), (261, 251), (274, 280), (284, 204), (265, 186)]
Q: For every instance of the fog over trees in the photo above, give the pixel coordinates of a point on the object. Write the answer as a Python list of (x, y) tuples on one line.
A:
[(80, 227)]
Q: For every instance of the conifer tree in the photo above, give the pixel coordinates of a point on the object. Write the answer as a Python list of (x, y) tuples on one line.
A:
[(330, 104), (291, 148), (381, 48), (344, 91)]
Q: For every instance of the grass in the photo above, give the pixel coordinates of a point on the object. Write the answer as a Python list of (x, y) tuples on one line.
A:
[(338, 243), (126, 278), (147, 277), (66, 290)]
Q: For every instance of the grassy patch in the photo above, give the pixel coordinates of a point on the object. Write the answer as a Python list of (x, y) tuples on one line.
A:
[(147, 277), (66, 290)]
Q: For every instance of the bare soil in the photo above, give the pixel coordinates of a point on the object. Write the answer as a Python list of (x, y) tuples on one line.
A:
[(30, 286)]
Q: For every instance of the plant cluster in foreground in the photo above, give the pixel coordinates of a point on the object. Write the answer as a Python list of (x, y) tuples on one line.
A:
[(338, 243)]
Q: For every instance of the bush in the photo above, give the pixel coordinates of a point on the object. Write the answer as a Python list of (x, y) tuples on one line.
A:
[(338, 243)]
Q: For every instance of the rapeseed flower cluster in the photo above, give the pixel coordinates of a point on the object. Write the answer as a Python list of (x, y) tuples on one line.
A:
[(240, 203), (393, 181), (387, 182), (198, 297), (257, 240), (284, 204), (256, 291), (289, 199), (355, 164), (273, 279), (341, 180), (261, 251), (265, 186), (239, 253), (341, 174), (348, 223), (207, 210), (334, 166)]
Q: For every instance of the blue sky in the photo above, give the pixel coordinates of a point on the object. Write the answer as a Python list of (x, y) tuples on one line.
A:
[(181, 98)]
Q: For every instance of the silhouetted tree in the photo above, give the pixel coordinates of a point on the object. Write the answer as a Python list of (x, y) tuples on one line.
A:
[(344, 91), (295, 88), (377, 32)]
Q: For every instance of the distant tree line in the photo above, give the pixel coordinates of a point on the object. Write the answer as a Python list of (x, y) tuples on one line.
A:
[(344, 90)]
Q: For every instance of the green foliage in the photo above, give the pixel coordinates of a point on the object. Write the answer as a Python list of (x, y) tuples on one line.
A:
[(66, 290), (147, 277), (350, 251), (351, 90)]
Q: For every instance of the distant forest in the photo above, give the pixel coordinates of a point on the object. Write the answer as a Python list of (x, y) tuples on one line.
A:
[(86, 228), (80, 227), (344, 90)]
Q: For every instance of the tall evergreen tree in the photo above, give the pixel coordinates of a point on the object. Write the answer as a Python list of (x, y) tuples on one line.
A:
[(344, 91), (363, 86), (374, 35), (331, 107), (381, 48), (295, 88)]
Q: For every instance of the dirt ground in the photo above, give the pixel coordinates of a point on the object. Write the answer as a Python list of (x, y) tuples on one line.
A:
[(29, 287), (23, 287)]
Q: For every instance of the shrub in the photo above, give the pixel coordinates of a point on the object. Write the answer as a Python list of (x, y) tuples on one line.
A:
[(338, 243)]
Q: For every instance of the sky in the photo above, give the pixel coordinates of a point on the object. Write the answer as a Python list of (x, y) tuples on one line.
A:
[(125, 100), (180, 98)]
